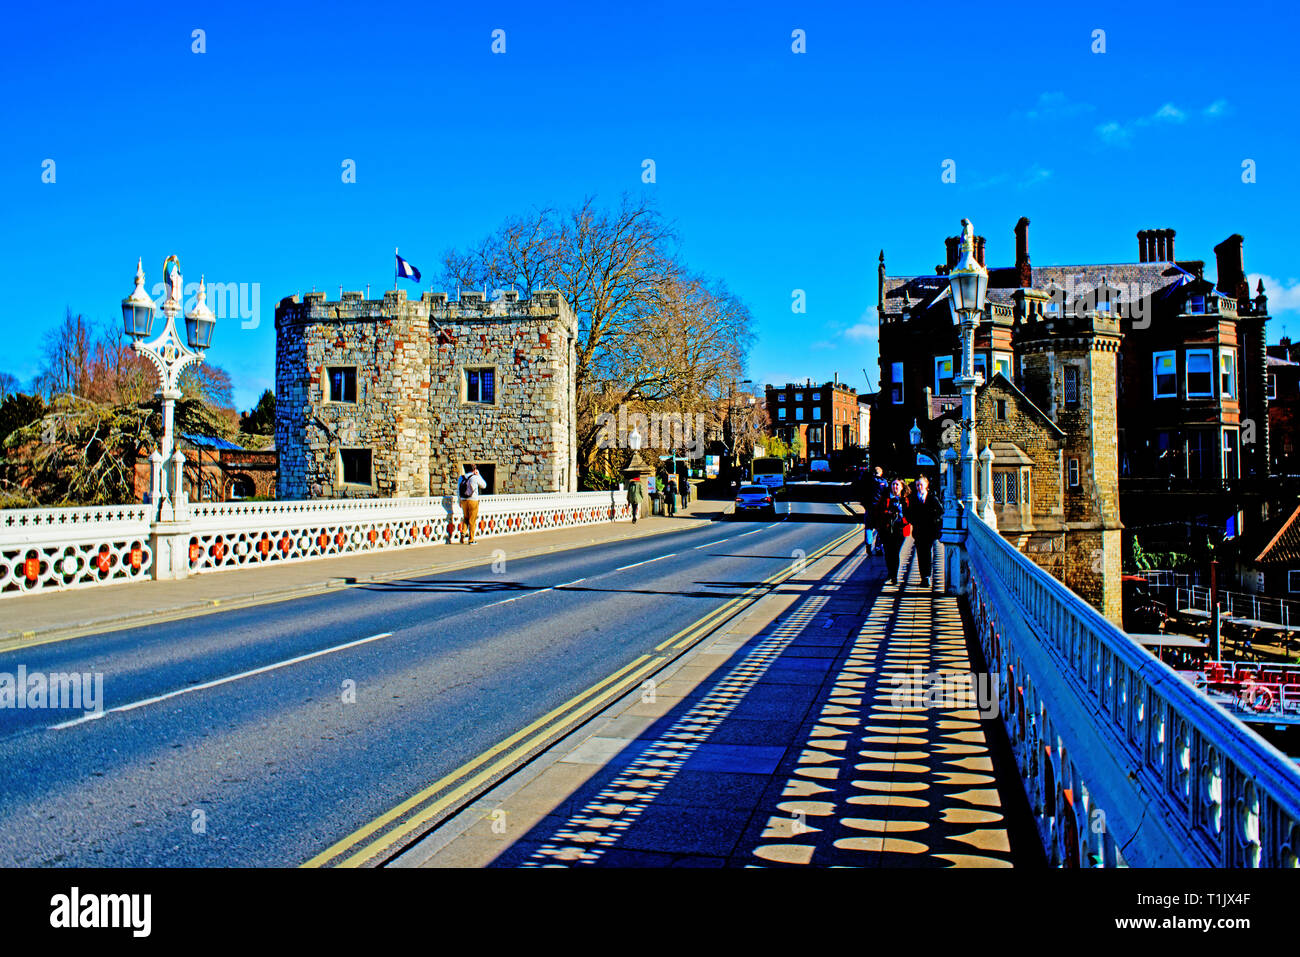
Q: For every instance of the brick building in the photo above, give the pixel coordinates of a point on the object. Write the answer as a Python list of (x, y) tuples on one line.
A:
[(824, 418), (1284, 407), (217, 470), (394, 397), (1154, 375)]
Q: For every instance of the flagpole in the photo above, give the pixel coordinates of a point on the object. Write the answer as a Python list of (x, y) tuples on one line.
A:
[(394, 269)]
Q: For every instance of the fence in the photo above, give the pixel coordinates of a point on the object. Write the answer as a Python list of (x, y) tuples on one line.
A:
[(43, 550), (1123, 761), (1241, 605)]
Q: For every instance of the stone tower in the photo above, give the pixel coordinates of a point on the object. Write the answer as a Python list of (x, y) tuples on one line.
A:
[(1069, 368)]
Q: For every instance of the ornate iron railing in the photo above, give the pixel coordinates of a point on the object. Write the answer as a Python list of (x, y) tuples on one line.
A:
[(1123, 762)]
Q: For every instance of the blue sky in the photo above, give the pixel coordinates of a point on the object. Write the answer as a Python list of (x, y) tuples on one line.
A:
[(781, 171)]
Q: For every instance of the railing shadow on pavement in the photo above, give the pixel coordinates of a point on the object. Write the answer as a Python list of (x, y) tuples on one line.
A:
[(797, 750)]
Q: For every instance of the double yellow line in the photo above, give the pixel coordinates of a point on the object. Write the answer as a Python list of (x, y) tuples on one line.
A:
[(368, 843)]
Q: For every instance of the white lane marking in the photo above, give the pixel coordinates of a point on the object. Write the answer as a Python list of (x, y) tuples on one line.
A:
[(743, 534), (624, 568), (220, 681), (718, 542), (539, 591), (773, 525)]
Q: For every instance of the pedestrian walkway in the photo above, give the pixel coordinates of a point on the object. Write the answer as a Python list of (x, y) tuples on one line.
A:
[(793, 738), (53, 615)]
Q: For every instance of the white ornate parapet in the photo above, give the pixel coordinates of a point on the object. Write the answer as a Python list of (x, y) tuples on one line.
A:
[(55, 549), (51, 549), (1123, 762)]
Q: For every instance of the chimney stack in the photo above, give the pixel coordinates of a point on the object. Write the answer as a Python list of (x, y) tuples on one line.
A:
[(1024, 273), (1155, 245), (837, 378), (952, 242), (1232, 268), (979, 250)]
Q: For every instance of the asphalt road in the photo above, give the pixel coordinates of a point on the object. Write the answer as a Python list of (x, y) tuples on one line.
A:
[(227, 739)]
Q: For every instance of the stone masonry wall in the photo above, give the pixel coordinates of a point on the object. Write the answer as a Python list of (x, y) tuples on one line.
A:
[(411, 407)]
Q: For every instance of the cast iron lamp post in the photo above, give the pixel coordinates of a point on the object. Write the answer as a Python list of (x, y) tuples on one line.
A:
[(968, 283), (170, 357)]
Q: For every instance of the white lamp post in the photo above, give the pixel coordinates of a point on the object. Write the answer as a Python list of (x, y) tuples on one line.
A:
[(170, 357), (968, 283)]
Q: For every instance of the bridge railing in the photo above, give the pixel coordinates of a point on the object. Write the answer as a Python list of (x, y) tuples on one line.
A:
[(1123, 761), (44, 550)]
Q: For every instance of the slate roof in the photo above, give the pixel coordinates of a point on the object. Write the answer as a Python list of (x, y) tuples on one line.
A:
[(927, 291)]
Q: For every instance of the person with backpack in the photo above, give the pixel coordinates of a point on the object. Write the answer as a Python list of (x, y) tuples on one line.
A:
[(670, 496), (873, 492), (467, 490), (635, 496), (894, 527)]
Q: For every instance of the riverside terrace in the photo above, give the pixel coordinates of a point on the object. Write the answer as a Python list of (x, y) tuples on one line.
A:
[(1122, 762)]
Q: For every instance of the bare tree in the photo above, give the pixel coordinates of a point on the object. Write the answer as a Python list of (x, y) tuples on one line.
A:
[(8, 385), (650, 334)]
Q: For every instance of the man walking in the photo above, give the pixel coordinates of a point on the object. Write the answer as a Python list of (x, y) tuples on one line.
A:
[(686, 490), (670, 496), (874, 492), (925, 512), (635, 496), (467, 491)]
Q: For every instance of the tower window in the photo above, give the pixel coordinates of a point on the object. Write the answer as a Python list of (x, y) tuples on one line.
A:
[(342, 384), (1071, 385), (354, 466), (896, 383), (1072, 473), (481, 386), (943, 376), (1002, 410)]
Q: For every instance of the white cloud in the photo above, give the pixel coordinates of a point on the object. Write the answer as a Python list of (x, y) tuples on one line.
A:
[(1282, 296), (1056, 106), (1116, 133), (1169, 114)]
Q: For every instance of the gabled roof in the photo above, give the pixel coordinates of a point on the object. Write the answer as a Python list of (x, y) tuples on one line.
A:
[(1284, 547), (1023, 401)]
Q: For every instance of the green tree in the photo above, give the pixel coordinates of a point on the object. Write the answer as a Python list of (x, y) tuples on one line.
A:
[(260, 420)]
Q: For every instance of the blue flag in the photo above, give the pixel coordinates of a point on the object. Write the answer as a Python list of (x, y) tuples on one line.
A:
[(406, 271)]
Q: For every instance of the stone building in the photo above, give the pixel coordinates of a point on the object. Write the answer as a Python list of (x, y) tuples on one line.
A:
[(396, 397)]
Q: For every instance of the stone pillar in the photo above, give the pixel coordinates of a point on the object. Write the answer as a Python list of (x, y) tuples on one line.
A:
[(155, 484), (967, 385), (954, 533), (987, 512)]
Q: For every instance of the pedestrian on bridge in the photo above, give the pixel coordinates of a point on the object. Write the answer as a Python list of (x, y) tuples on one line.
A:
[(635, 496), (925, 513), (467, 490), (894, 527)]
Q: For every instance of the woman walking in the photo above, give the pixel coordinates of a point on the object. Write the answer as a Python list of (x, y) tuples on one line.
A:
[(893, 525)]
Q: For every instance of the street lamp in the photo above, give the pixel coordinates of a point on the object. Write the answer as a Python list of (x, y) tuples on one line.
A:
[(914, 434), (968, 283), (170, 357)]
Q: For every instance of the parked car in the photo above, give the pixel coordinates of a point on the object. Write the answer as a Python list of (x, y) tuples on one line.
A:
[(754, 500)]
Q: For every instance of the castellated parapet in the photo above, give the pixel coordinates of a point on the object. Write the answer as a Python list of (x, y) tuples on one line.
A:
[(392, 397)]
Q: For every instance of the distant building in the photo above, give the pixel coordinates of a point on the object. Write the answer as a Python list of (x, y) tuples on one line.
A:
[(217, 470), (395, 397), (824, 419)]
